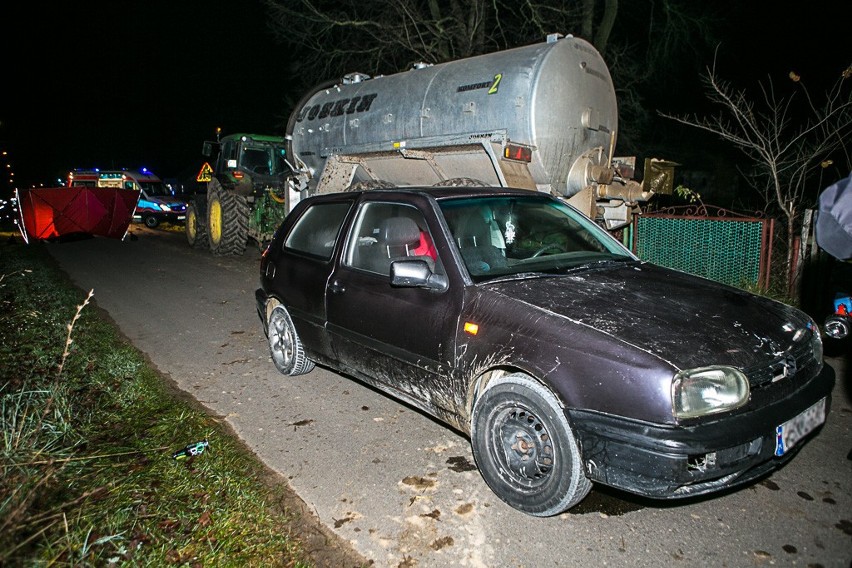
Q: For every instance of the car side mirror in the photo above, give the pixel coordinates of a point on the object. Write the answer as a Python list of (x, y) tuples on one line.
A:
[(416, 274)]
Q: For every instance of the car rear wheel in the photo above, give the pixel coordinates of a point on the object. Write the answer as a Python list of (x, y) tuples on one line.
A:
[(286, 349), (525, 449), (196, 222)]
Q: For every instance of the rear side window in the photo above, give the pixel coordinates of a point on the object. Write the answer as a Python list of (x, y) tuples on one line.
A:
[(317, 230)]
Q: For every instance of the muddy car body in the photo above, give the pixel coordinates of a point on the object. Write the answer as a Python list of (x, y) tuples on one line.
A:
[(513, 318)]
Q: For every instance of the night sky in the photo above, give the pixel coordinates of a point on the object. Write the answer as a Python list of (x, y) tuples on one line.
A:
[(131, 84)]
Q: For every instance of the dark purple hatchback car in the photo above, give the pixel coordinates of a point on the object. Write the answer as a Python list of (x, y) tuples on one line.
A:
[(512, 317)]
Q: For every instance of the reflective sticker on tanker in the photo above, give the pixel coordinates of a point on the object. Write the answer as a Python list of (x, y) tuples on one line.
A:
[(497, 78)]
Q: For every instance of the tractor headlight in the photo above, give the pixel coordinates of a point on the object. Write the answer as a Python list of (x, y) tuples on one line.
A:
[(708, 390)]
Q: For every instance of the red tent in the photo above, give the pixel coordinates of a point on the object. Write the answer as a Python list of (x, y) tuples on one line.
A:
[(57, 211)]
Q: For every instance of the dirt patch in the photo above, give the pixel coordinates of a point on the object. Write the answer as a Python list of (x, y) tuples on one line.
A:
[(324, 548)]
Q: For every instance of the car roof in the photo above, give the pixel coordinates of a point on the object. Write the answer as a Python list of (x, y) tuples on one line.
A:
[(440, 193)]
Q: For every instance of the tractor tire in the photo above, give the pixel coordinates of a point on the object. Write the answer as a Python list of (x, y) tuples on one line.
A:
[(227, 221), (196, 222)]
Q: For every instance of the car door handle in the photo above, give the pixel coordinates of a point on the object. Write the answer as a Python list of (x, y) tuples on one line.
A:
[(336, 287)]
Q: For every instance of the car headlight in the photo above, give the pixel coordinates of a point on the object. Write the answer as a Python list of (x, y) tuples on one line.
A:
[(708, 390), (164, 207), (816, 344)]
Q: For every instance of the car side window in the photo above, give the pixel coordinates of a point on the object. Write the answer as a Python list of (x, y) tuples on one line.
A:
[(385, 232), (317, 230)]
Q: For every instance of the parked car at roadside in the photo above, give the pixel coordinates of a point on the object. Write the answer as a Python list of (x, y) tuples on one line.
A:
[(515, 319)]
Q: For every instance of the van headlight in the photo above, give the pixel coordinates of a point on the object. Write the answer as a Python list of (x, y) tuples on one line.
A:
[(708, 390)]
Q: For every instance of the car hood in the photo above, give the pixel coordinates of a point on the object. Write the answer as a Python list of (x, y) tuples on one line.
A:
[(685, 320)]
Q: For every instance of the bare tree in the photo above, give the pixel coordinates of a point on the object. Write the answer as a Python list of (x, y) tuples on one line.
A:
[(638, 40), (788, 140), (387, 36)]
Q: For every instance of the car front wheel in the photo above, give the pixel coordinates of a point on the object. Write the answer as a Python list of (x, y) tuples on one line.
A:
[(524, 447), (286, 349)]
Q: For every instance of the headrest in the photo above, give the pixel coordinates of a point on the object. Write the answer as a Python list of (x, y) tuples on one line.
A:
[(399, 231)]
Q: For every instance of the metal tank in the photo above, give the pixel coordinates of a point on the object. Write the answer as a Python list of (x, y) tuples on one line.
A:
[(541, 117)]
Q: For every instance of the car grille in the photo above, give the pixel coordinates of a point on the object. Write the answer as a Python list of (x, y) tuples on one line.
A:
[(797, 362)]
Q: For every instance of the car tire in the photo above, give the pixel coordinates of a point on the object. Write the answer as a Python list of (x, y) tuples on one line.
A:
[(150, 221), (285, 347), (195, 226), (525, 449), (227, 221)]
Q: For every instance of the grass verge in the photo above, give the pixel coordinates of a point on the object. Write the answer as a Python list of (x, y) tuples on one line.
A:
[(87, 475)]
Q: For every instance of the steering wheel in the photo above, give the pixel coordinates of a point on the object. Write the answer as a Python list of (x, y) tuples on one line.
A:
[(545, 248)]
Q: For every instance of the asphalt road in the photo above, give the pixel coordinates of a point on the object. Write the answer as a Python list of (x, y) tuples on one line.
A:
[(402, 488)]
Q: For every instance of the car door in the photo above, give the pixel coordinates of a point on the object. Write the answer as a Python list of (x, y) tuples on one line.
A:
[(401, 338), (302, 270)]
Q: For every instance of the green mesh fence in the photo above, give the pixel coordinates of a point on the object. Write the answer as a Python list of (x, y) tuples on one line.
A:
[(724, 250)]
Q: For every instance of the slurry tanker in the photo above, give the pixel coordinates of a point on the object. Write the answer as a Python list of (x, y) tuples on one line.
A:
[(542, 117)]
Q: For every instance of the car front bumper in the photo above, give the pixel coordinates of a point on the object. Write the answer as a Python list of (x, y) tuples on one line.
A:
[(161, 215), (668, 462)]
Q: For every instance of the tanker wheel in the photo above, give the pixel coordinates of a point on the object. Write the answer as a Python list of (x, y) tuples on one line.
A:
[(227, 221), (196, 222)]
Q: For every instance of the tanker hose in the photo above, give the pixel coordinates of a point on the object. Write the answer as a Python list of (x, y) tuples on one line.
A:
[(630, 191)]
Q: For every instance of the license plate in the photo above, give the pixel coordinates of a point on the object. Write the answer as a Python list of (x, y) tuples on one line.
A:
[(797, 428)]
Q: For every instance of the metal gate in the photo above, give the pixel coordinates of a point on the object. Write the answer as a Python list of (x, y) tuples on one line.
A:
[(715, 243)]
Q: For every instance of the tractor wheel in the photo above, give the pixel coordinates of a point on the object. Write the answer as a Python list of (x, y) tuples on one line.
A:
[(196, 222), (227, 221)]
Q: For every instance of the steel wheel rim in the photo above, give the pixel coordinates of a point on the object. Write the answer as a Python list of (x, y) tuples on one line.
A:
[(522, 446)]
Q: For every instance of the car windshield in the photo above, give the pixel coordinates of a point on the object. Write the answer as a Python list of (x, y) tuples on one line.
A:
[(155, 188), (264, 159), (508, 236)]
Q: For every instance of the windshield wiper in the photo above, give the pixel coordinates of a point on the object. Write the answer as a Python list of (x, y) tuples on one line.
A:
[(601, 263), (519, 276), (558, 271)]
